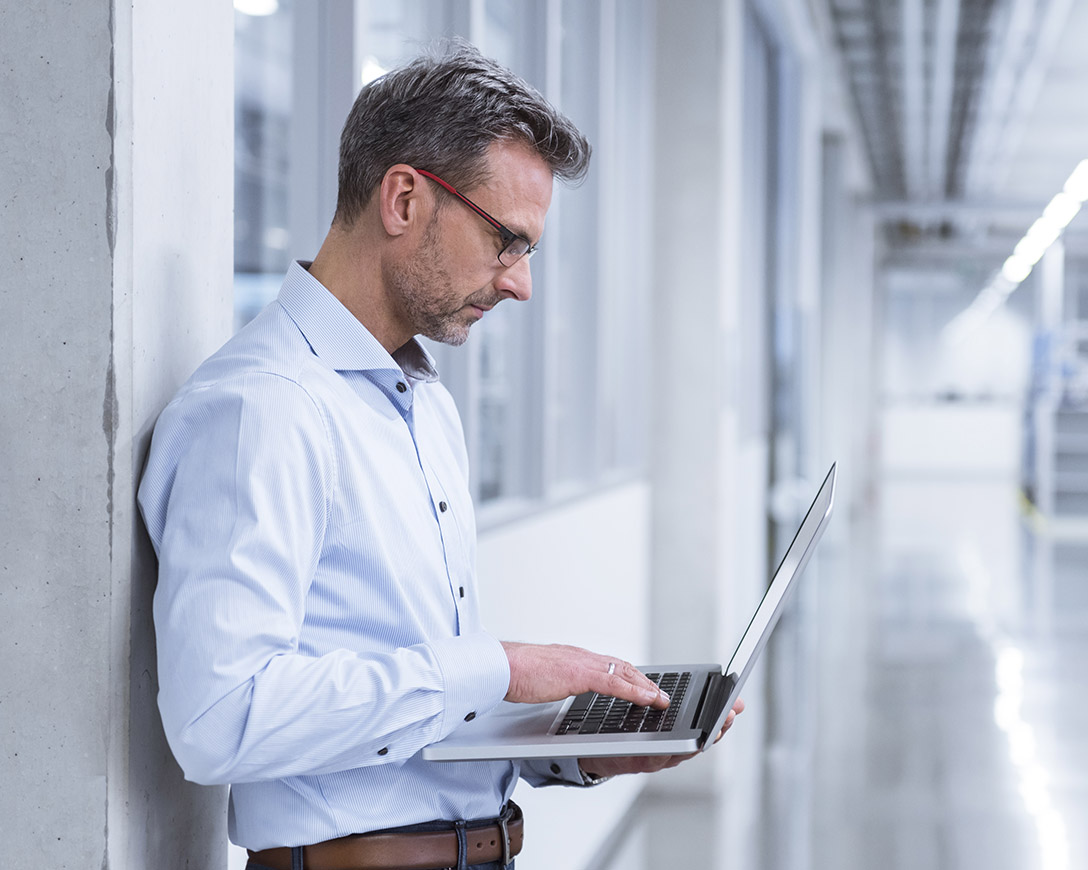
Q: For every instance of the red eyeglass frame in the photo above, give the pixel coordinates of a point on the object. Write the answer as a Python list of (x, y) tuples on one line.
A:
[(506, 235)]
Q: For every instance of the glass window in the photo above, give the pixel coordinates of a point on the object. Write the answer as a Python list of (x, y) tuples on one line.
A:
[(574, 312), (391, 34), (626, 246), (505, 426), (552, 394), (262, 110), (506, 442), (759, 160)]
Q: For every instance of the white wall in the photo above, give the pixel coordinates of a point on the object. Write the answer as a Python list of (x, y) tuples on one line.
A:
[(952, 439), (707, 482), (576, 574), (173, 265)]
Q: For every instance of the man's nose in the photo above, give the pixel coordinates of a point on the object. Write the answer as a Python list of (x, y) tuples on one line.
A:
[(516, 281)]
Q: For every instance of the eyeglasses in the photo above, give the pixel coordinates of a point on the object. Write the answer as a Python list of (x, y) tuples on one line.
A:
[(514, 246)]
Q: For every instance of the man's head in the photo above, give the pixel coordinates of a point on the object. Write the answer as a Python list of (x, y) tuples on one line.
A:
[(441, 113), (446, 175)]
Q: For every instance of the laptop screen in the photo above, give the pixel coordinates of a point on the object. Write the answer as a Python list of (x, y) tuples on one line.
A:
[(793, 563)]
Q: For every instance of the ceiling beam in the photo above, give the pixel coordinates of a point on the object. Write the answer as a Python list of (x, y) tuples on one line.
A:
[(883, 130), (912, 76), (942, 83), (1017, 62), (936, 211), (1049, 29), (1003, 57), (988, 257)]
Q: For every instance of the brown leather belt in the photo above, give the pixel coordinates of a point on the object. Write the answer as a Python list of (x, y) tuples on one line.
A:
[(406, 850)]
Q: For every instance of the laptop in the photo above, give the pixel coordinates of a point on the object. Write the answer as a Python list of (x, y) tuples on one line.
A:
[(590, 725)]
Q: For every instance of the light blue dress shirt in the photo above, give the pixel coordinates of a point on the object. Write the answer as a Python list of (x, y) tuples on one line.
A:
[(316, 611)]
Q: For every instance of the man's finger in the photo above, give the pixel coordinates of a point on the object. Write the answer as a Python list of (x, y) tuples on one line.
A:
[(630, 684)]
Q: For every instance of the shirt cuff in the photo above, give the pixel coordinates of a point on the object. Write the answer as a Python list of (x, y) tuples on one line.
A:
[(559, 771), (476, 674)]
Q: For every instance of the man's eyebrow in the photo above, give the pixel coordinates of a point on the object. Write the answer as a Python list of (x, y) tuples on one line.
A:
[(524, 234), (517, 229)]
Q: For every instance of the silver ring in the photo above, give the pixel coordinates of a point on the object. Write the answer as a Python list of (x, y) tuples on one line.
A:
[(611, 668)]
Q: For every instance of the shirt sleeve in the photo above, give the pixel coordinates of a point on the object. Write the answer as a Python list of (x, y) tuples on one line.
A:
[(236, 499)]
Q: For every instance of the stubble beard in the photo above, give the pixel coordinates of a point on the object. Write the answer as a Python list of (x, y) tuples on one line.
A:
[(425, 293)]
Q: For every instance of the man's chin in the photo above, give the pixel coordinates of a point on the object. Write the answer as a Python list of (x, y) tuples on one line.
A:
[(452, 337)]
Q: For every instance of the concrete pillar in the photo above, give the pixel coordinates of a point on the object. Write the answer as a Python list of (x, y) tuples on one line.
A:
[(115, 250)]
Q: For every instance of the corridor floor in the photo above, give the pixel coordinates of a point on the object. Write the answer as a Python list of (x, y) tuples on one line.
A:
[(953, 729)]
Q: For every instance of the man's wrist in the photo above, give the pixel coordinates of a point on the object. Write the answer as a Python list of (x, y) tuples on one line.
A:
[(590, 779)]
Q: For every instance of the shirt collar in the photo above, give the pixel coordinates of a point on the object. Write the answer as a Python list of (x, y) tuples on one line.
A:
[(336, 335)]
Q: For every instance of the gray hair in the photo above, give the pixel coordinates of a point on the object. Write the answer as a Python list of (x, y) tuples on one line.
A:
[(441, 112)]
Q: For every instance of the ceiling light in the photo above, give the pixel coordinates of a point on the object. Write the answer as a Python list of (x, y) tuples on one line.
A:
[(1062, 209), (257, 7), (1028, 251), (1077, 185), (1017, 268), (372, 70), (1043, 233)]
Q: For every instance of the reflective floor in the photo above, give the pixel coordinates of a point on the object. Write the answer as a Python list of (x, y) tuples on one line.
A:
[(961, 742), (951, 708)]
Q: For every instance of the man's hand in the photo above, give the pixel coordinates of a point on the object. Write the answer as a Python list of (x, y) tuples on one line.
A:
[(553, 672), (615, 766)]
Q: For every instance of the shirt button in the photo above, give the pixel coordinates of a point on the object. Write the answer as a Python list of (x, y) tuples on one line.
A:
[(556, 769), (402, 387), (442, 506), (470, 717), (384, 751)]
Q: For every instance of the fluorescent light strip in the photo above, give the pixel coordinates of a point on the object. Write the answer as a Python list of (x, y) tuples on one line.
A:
[(1028, 251), (257, 8)]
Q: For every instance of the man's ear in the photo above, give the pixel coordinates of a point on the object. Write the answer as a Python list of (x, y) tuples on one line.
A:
[(400, 199)]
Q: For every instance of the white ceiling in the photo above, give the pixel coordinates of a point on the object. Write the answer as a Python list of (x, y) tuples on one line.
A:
[(974, 111), (1055, 136)]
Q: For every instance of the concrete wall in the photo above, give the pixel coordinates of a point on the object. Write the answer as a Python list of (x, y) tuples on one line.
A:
[(115, 251), (57, 398)]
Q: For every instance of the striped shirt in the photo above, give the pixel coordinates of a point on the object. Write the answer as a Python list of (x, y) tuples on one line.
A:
[(316, 611)]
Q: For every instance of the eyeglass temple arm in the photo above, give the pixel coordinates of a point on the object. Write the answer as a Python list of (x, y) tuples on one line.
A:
[(465, 200)]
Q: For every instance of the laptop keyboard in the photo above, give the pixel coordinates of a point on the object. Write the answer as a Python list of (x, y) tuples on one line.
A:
[(592, 713)]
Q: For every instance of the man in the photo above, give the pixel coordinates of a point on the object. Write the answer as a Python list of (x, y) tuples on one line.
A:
[(306, 493)]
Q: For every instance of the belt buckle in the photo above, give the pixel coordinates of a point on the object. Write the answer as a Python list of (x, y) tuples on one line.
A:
[(506, 857)]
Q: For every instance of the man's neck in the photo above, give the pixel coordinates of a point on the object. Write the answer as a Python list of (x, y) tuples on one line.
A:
[(343, 267)]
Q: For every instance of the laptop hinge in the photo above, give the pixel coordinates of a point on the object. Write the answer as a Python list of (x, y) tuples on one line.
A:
[(718, 687)]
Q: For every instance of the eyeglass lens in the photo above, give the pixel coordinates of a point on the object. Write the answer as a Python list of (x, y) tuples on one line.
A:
[(515, 250)]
